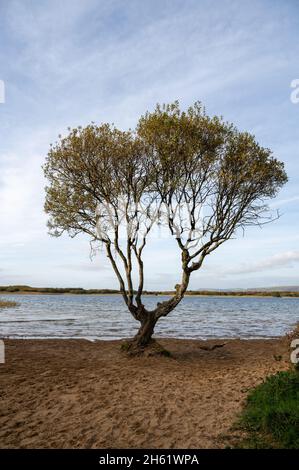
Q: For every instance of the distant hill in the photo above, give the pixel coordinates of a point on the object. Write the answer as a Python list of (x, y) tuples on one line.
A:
[(255, 289), (277, 291)]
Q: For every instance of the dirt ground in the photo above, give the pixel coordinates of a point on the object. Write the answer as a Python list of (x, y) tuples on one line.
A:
[(78, 394)]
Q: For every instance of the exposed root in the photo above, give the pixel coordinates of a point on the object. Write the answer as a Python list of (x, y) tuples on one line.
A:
[(153, 348), (211, 348)]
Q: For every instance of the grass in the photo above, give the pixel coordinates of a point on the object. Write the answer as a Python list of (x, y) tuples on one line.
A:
[(271, 415), (7, 303)]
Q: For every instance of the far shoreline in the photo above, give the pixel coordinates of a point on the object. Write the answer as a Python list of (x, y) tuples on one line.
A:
[(279, 294)]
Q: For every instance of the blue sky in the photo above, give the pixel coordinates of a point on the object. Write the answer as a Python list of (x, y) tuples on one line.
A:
[(66, 63)]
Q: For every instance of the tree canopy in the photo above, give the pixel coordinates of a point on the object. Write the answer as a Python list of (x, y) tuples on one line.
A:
[(197, 175)]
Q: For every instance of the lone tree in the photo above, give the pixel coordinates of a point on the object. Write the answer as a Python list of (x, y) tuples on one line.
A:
[(196, 175)]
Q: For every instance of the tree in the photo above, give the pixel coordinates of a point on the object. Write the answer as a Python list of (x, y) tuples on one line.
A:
[(197, 175)]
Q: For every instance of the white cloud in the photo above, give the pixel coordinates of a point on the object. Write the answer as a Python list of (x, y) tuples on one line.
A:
[(110, 60), (282, 202), (92, 266), (21, 192), (281, 260)]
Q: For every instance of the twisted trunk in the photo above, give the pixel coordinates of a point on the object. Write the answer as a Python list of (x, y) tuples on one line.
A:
[(148, 319), (146, 330)]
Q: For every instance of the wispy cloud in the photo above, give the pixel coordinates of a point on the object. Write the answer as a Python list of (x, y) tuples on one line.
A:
[(281, 260), (283, 202), (67, 63), (85, 267)]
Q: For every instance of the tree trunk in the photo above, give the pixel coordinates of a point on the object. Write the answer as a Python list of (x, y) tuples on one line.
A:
[(145, 332), (148, 319), (143, 341)]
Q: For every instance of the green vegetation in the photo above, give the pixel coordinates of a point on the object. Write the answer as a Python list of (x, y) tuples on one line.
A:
[(79, 290), (7, 303), (271, 415), (255, 293), (55, 290)]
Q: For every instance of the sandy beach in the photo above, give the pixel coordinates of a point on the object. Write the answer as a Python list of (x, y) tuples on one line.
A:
[(79, 394)]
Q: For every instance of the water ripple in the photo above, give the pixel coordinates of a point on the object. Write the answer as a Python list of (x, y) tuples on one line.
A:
[(106, 317)]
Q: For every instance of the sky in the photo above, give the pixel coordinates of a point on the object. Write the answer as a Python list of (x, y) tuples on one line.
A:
[(67, 63)]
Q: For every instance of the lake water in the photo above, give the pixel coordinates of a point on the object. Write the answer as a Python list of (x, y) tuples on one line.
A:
[(106, 317)]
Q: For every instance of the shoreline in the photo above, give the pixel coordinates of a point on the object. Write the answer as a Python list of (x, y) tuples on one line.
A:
[(157, 338), (82, 394), (261, 295)]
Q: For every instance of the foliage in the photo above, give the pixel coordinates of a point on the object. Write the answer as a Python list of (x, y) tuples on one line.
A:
[(197, 176), (271, 415)]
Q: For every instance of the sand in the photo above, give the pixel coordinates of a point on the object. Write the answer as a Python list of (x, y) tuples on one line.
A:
[(78, 394)]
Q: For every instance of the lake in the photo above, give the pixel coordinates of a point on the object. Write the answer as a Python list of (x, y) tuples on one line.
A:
[(105, 317)]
